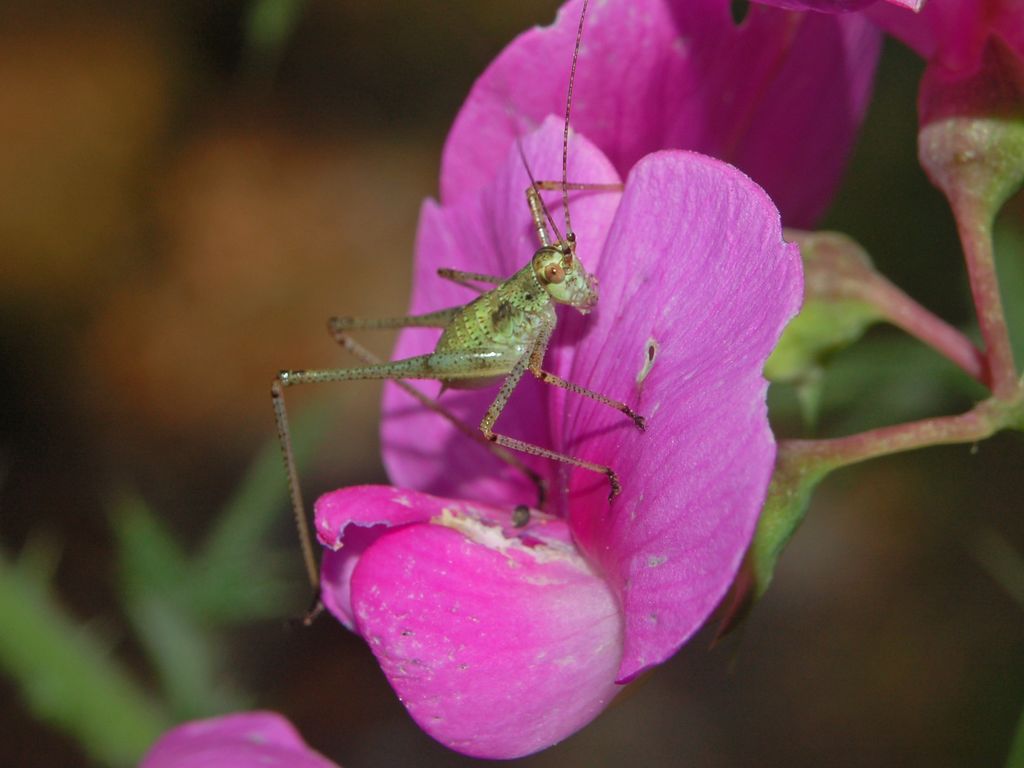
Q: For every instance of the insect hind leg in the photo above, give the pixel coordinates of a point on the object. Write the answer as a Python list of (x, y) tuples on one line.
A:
[(438, 319), (366, 356), (411, 367)]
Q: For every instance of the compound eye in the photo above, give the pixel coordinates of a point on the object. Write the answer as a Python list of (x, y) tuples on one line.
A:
[(554, 273)]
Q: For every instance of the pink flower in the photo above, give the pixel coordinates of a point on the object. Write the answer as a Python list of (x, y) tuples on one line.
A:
[(971, 128), (839, 6), (975, 54), (953, 34), (234, 741), (781, 95), (501, 641)]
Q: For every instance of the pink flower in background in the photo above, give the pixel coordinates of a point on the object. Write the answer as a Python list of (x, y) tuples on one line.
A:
[(502, 641), (781, 96), (971, 114), (839, 6), (952, 34), (975, 54), (241, 740)]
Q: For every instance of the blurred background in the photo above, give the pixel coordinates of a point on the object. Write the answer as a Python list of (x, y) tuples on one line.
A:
[(189, 190)]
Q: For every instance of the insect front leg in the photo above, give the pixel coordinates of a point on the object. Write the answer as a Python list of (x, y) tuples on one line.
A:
[(585, 186), (487, 427), (540, 214)]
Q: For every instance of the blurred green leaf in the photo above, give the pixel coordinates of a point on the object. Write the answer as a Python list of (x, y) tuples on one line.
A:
[(186, 658), (789, 494), (177, 603), (1009, 252), (235, 577), (890, 378), (151, 560), (1004, 564), (66, 675), (816, 332), (886, 378), (836, 312), (1016, 756), (811, 337), (269, 24)]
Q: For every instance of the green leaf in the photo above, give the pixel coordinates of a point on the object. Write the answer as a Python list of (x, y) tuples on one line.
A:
[(176, 603), (270, 23), (67, 676), (1016, 756), (186, 659), (1009, 254), (150, 558), (1004, 564), (235, 577)]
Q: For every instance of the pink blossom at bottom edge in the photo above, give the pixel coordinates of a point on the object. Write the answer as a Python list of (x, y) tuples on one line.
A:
[(238, 740)]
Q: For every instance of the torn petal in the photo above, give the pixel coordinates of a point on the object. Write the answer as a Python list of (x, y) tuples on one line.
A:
[(350, 520)]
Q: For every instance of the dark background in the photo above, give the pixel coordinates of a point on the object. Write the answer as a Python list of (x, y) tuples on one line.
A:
[(182, 209)]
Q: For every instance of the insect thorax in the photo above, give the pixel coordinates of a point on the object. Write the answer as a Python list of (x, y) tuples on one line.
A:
[(507, 318)]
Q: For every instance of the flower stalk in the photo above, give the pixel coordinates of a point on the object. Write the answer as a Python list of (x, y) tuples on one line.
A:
[(907, 314), (837, 270), (971, 143), (985, 419), (801, 464), (975, 227)]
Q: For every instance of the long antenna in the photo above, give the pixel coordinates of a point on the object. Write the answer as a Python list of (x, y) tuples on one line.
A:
[(570, 236)]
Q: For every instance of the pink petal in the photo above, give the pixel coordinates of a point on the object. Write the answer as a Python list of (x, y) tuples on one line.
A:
[(350, 520), (781, 95), (234, 741), (498, 643), (490, 233), (695, 261)]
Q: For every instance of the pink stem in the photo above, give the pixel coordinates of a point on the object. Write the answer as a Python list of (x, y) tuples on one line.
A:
[(902, 311), (977, 424), (976, 237)]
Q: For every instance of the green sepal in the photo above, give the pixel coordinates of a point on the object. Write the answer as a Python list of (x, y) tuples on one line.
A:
[(789, 495), (836, 312)]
